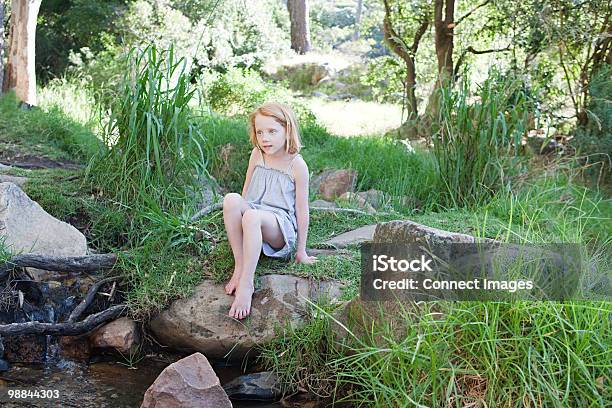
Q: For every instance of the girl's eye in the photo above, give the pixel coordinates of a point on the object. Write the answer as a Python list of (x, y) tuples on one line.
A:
[(273, 131)]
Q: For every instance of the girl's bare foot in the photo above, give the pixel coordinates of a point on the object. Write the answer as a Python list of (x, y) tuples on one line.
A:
[(241, 307), (233, 283)]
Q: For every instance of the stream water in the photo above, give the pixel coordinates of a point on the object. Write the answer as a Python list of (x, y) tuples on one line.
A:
[(99, 385)]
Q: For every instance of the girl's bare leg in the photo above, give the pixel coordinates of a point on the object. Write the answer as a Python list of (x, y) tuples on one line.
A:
[(233, 208), (257, 226)]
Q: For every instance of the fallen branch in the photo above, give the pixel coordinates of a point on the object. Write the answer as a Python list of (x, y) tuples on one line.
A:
[(87, 263), (91, 293), (349, 210), (63, 329), (206, 210)]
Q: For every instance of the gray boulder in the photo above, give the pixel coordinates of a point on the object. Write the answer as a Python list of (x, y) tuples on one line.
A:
[(26, 227), (201, 322)]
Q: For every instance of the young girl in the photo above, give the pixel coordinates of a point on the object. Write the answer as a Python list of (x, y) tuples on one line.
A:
[(272, 212)]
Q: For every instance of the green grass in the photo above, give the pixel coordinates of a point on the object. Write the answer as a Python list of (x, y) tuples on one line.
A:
[(45, 131), (503, 354), (498, 354), (477, 145)]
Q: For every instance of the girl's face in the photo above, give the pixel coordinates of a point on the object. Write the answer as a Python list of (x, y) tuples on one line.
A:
[(271, 135)]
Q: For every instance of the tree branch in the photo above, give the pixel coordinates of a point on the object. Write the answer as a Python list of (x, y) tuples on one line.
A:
[(91, 293), (419, 34), (477, 52), (469, 13), (392, 39), (87, 263), (63, 329)]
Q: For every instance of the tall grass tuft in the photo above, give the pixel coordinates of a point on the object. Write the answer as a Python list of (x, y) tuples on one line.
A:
[(477, 139), (154, 149)]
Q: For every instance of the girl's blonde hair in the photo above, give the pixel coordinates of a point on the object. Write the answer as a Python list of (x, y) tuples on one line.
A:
[(284, 116)]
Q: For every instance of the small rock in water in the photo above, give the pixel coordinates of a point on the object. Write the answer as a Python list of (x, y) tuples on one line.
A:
[(120, 334), (262, 386), (190, 382)]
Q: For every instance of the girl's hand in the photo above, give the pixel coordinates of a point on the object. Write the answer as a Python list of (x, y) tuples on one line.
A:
[(303, 257)]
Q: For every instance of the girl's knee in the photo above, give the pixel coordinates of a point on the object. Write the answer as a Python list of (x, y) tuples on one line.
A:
[(232, 200), (251, 218)]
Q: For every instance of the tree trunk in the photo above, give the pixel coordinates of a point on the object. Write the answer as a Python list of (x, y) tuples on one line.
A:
[(1, 44), (409, 129), (358, 19), (20, 74), (444, 23), (300, 25)]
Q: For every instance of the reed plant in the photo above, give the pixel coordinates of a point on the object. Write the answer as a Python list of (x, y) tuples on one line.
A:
[(477, 139), (153, 147)]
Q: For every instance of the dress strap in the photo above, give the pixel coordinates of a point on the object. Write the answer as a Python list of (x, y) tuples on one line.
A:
[(291, 163)]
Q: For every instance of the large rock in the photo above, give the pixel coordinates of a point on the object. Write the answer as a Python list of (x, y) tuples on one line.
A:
[(187, 383), (333, 183), (120, 334), (201, 322), (27, 228), (404, 231), (409, 232)]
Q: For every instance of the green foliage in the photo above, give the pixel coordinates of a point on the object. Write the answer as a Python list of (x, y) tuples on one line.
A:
[(301, 357), (177, 231), (71, 96), (212, 34), (58, 135), (553, 208), (385, 75), (595, 139), (64, 27), (157, 275), (450, 352), (100, 74), (477, 144), (154, 149), (239, 91), (440, 352)]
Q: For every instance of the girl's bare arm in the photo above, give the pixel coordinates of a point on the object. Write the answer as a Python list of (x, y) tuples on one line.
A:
[(301, 175), (252, 162)]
